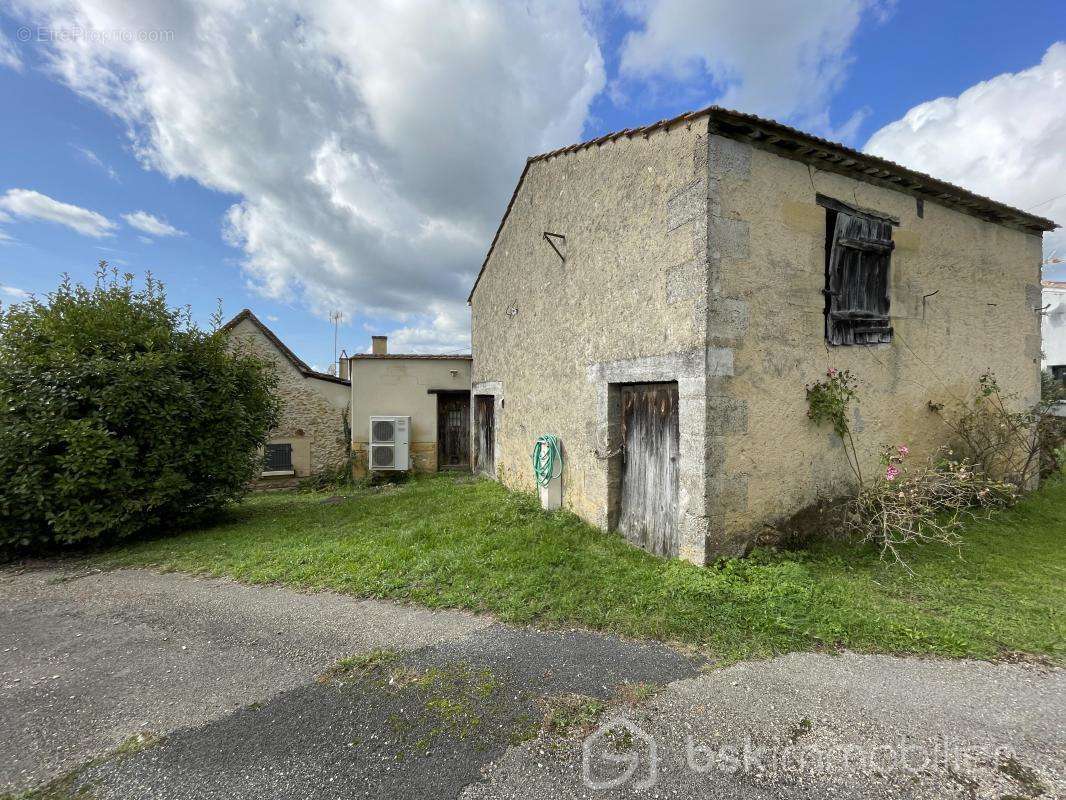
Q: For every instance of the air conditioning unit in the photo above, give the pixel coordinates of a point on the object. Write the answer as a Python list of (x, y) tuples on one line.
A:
[(390, 439)]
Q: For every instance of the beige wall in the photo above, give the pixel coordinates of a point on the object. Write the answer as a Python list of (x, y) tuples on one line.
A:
[(628, 304), (400, 386), (312, 414), (985, 278), (696, 258)]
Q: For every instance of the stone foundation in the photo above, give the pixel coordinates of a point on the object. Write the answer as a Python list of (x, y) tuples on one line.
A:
[(423, 458)]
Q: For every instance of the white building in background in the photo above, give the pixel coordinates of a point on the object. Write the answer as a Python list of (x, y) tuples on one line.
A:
[(1053, 327)]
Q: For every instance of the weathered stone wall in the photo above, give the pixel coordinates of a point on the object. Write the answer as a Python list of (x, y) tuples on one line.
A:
[(696, 258), (628, 304), (963, 293), (313, 410)]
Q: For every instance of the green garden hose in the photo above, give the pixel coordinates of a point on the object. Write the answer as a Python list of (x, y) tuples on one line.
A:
[(547, 456)]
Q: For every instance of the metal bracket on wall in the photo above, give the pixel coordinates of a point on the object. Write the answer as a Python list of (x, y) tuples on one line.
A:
[(926, 297), (550, 239)]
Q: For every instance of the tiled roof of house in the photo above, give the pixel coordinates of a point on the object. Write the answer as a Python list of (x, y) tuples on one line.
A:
[(826, 155), (294, 359)]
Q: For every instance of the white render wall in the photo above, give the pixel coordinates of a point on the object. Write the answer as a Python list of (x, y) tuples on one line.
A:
[(1053, 326)]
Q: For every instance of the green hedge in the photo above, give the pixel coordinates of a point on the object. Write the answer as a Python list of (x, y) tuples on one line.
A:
[(118, 415)]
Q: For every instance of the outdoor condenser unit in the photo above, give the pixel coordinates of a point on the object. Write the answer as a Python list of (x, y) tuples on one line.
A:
[(390, 439)]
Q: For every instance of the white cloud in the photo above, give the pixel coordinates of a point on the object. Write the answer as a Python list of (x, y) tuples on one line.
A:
[(442, 330), (780, 58), (9, 54), (96, 161), (373, 146), (150, 224), (28, 204), (1004, 138), (13, 293)]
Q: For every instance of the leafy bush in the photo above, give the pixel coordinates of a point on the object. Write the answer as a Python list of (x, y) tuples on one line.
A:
[(119, 415)]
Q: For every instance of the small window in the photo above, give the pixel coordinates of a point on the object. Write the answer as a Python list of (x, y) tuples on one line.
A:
[(277, 458), (1058, 372), (858, 251)]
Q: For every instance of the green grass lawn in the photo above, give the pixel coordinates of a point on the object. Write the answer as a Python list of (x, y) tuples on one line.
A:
[(444, 542)]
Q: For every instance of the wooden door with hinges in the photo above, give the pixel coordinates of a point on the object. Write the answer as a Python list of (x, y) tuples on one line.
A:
[(485, 434), (453, 436), (650, 467)]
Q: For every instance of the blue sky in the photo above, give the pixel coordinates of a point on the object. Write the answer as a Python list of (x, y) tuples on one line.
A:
[(295, 158)]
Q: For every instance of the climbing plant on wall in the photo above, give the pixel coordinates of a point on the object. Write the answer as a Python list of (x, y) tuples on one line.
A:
[(829, 401)]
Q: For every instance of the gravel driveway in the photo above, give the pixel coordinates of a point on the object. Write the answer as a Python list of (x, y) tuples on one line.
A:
[(230, 691)]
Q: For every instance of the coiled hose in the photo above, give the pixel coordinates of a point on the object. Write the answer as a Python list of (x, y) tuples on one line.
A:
[(547, 458)]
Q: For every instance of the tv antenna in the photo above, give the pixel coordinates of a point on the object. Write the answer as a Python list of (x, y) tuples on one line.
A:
[(335, 317)]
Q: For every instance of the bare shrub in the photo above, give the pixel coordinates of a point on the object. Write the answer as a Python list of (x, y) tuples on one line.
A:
[(1051, 430), (1016, 446), (999, 455), (925, 503), (996, 439)]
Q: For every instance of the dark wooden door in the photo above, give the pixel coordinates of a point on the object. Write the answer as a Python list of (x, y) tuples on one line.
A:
[(485, 434), (453, 437), (648, 512)]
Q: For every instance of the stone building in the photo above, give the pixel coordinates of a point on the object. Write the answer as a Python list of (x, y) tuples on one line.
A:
[(659, 297), (311, 434), (434, 390)]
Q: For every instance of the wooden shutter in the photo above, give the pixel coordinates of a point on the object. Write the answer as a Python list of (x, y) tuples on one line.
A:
[(857, 311)]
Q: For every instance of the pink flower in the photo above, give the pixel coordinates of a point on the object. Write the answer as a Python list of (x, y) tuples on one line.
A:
[(831, 372), (892, 472), (904, 451)]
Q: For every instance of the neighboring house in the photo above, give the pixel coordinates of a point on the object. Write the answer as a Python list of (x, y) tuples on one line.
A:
[(658, 298), (434, 390), (1053, 327), (311, 433)]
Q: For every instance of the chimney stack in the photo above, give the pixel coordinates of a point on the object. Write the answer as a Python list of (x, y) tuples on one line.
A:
[(379, 345), (345, 366)]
